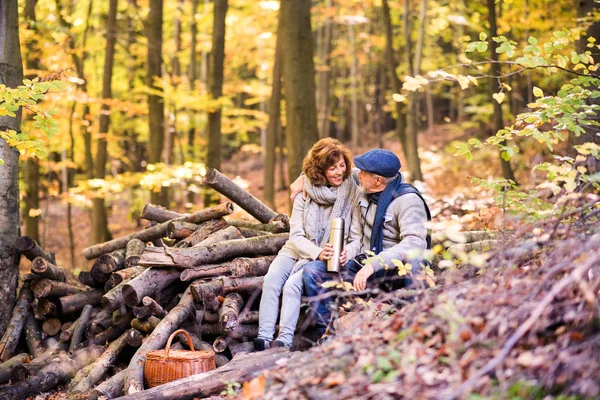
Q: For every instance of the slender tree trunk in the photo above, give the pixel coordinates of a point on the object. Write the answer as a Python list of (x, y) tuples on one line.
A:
[(353, 88), (31, 171), (11, 75), (156, 106), (495, 70), (216, 91), (192, 78), (412, 154), (274, 124), (391, 68), (171, 134), (323, 74), (299, 83), (100, 232)]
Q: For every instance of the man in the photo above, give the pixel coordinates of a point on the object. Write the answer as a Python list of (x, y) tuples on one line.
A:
[(393, 228)]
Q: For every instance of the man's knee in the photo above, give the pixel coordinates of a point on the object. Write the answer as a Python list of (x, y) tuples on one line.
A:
[(312, 270)]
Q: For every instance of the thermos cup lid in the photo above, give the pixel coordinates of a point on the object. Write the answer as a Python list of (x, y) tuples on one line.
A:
[(337, 223)]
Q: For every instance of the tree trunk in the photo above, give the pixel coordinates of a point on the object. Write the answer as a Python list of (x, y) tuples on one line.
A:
[(33, 335), (11, 75), (145, 325), (78, 328), (52, 375), (391, 68), (122, 275), (86, 278), (31, 197), (242, 198), (272, 227), (171, 131), (152, 212), (192, 78), (323, 74), (274, 123), (135, 248), (495, 70), (7, 366), (106, 264), (238, 267), (51, 326), (203, 290), (149, 234), (110, 388), (412, 116), (230, 310), (154, 307), (101, 365), (299, 83), (217, 61), (45, 269), (156, 106), (180, 230), (49, 288), (10, 339), (214, 253), (31, 249), (204, 231), (69, 305), (100, 231), (148, 283), (353, 88)]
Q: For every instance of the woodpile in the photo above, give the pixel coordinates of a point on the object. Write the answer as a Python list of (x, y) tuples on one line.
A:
[(93, 335)]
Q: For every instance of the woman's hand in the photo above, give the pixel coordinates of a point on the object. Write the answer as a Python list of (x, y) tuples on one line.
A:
[(343, 257), (297, 187), (326, 253)]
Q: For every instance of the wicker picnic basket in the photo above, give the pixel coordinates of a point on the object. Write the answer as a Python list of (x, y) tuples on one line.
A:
[(164, 366)]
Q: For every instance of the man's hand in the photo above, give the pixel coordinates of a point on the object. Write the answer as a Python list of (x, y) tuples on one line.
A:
[(360, 280), (343, 257), (297, 187), (326, 253)]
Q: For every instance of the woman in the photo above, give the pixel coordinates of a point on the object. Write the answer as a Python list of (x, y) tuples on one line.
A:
[(330, 193)]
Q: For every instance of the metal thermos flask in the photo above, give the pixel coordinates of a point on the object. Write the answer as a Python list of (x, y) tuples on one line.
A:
[(336, 238)]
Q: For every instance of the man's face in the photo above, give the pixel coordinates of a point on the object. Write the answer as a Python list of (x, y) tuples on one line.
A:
[(368, 182)]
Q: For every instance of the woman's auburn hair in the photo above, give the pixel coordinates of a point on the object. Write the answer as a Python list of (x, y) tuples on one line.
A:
[(325, 153)]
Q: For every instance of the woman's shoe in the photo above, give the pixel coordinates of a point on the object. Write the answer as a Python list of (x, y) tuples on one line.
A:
[(261, 344), (277, 343)]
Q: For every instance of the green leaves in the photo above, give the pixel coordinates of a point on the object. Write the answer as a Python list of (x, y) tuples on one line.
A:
[(27, 96)]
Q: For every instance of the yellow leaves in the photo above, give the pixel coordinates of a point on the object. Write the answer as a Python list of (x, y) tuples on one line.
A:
[(499, 97), (398, 98), (413, 84), (463, 81), (537, 92), (34, 212)]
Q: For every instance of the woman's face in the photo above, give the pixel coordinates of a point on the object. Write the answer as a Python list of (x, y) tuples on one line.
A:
[(335, 173)]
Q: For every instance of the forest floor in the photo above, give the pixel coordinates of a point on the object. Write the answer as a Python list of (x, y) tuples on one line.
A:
[(524, 326)]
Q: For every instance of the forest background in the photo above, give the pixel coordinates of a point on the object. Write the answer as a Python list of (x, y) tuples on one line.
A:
[(489, 104)]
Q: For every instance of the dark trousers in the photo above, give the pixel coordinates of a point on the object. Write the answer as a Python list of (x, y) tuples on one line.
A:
[(315, 274)]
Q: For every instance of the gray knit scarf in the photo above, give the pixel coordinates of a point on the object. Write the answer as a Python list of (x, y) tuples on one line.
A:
[(342, 198)]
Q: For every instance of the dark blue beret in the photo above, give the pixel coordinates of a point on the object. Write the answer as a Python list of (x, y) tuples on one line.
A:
[(378, 161)]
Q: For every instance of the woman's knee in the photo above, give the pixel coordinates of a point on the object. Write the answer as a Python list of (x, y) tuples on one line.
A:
[(292, 289), (272, 281), (313, 269)]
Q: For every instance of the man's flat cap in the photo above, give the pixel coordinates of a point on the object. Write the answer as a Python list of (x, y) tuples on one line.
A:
[(378, 161)]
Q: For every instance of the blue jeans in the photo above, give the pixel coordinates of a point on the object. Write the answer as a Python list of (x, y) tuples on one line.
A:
[(315, 274)]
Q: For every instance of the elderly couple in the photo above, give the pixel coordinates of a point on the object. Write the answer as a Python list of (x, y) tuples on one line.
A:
[(382, 214)]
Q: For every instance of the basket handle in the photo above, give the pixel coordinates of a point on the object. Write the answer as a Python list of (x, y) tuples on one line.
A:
[(178, 331)]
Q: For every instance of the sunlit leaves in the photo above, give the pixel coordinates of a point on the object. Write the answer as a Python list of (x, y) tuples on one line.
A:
[(26, 96), (499, 97)]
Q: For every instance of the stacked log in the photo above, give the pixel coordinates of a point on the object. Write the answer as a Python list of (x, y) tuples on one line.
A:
[(206, 279)]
